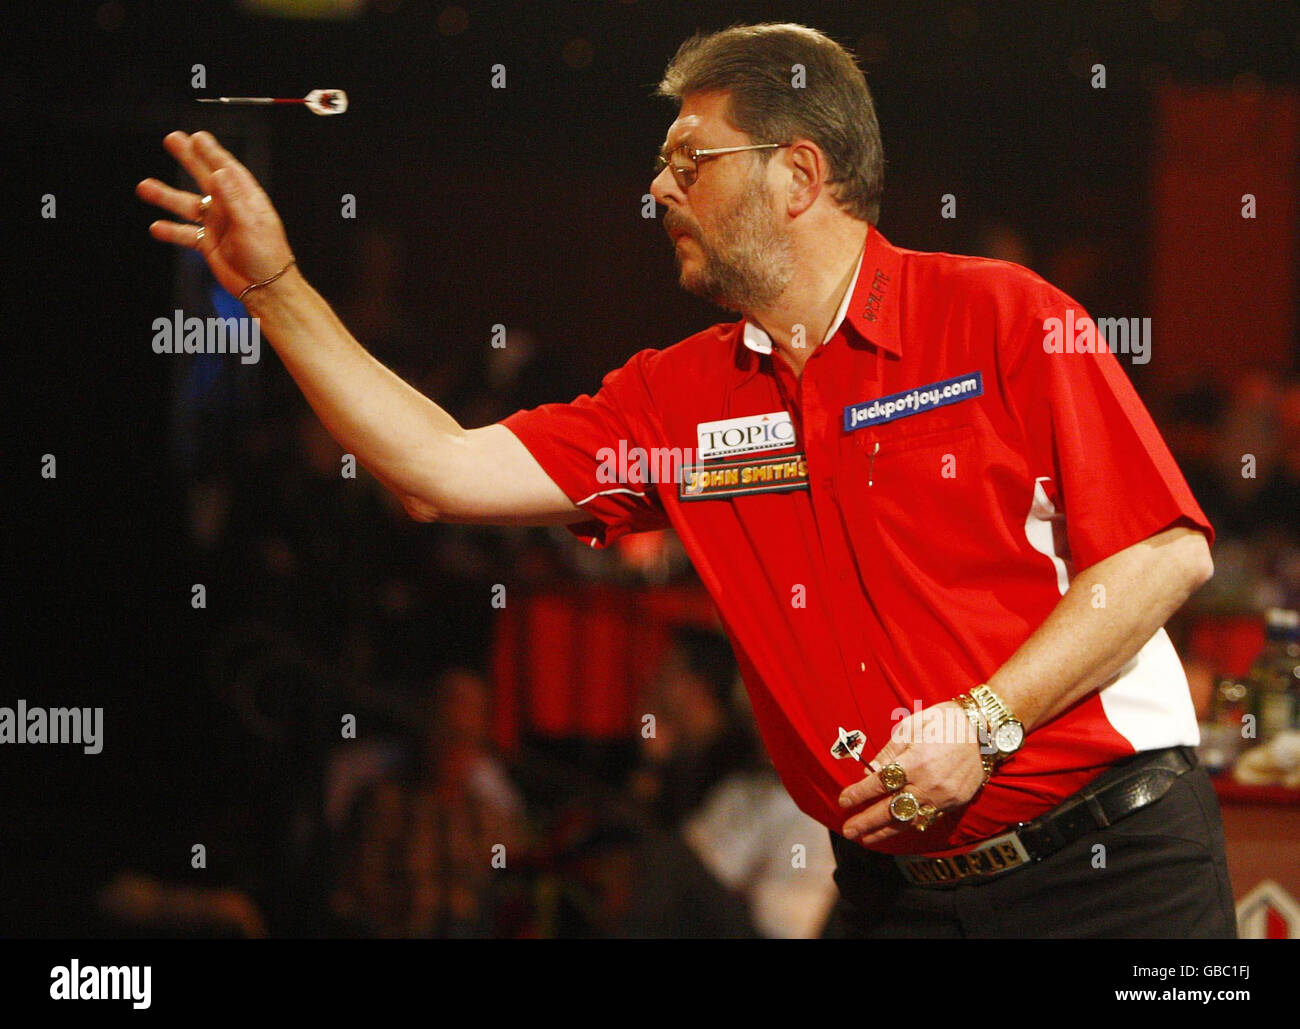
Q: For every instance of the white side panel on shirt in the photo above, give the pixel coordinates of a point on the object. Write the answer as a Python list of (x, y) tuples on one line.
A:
[(1148, 702)]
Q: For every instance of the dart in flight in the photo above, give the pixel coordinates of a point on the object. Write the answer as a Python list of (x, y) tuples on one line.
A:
[(319, 101)]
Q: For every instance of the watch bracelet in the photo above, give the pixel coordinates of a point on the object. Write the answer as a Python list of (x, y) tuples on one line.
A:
[(991, 705), (979, 724)]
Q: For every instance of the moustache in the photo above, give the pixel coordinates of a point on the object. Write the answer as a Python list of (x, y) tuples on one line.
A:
[(672, 225)]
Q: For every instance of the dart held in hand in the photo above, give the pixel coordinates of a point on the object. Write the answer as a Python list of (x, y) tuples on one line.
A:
[(318, 101)]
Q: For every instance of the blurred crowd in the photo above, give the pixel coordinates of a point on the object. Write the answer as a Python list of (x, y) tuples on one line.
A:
[(1238, 443)]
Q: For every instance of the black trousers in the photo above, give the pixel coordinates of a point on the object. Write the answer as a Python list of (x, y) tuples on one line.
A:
[(1163, 874)]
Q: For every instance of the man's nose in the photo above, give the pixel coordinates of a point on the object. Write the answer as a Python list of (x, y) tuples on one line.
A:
[(665, 190)]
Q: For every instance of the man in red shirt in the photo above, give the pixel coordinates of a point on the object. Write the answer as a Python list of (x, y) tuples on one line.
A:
[(940, 528)]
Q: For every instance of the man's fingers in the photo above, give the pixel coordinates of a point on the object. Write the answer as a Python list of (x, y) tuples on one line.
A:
[(865, 789), (876, 823), (872, 820), (173, 232), (232, 188), (869, 787), (243, 200), (213, 152), (870, 839), (181, 147), (179, 202)]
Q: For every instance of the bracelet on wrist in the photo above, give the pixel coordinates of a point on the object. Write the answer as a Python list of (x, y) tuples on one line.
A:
[(980, 727), (266, 282)]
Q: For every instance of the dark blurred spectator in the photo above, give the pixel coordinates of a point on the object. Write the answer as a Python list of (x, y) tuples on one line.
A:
[(1238, 449), (753, 839), (1279, 498), (376, 310), (734, 856), (1248, 449), (1187, 421), (697, 739), (508, 372), (295, 544), (428, 851)]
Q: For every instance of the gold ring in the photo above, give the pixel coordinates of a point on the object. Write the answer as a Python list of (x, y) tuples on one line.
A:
[(892, 777), (926, 815), (198, 236), (205, 202), (904, 807)]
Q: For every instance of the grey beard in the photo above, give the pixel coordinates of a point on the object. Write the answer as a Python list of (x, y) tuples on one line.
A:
[(743, 282), (755, 267)]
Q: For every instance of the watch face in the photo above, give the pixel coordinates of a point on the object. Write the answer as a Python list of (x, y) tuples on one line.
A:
[(1008, 737)]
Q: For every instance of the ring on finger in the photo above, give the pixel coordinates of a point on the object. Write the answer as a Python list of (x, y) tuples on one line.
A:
[(198, 236), (926, 815), (205, 202), (892, 777), (904, 807)]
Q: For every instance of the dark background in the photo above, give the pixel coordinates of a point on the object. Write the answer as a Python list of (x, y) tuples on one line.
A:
[(518, 206)]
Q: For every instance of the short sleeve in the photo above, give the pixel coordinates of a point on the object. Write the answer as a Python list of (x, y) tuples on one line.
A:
[(584, 446), (1089, 433)]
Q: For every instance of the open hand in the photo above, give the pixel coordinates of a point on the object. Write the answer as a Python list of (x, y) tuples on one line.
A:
[(242, 238)]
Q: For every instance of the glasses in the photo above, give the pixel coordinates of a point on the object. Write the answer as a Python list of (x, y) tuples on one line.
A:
[(684, 160)]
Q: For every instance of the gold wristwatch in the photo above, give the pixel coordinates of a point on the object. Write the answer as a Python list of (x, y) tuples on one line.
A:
[(1006, 732)]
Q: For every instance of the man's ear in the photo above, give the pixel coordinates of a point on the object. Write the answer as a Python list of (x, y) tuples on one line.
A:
[(807, 166)]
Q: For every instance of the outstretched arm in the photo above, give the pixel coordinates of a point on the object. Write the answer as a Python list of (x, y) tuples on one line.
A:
[(439, 470)]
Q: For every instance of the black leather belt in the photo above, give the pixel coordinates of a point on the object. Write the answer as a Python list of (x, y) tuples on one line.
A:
[(1115, 794)]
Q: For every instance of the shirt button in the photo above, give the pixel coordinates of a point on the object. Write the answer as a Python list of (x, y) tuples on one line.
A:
[(863, 666)]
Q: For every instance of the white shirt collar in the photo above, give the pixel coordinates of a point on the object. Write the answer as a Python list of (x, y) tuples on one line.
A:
[(761, 343)]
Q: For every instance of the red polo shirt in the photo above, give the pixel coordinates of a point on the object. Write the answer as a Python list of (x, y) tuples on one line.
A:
[(892, 525)]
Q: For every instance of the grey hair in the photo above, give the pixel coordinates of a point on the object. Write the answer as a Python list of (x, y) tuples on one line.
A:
[(755, 64)]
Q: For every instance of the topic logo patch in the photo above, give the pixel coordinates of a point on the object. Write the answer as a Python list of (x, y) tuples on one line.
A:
[(731, 436), (741, 478)]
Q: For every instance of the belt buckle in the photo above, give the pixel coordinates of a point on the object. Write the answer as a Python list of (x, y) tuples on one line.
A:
[(986, 860)]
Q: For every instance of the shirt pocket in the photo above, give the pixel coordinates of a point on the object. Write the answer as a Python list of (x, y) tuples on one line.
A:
[(915, 457), (913, 488)]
